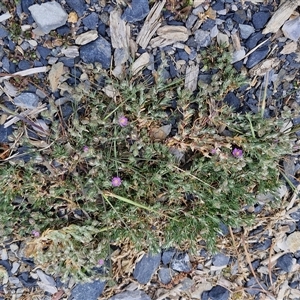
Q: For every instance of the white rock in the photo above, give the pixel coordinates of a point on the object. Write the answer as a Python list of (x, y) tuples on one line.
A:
[(291, 29), (86, 37), (4, 255), (293, 241), (48, 16), (15, 267)]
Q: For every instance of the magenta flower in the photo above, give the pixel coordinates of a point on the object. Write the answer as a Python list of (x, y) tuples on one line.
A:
[(101, 262), (85, 149), (238, 153), (35, 233), (213, 151), (123, 121), (116, 181)]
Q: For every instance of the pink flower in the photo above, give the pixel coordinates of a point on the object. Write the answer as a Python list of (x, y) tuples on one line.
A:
[(101, 262), (123, 121), (116, 181), (85, 149), (35, 233), (213, 151), (238, 153)]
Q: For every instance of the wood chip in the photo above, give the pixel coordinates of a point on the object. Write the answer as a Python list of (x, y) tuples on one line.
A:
[(140, 63), (289, 48), (198, 2), (191, 77), (23, 73), (120, 36), (168, 35), (263, 67), (86, 37), (151, 24), (71, 51), (284, 11)]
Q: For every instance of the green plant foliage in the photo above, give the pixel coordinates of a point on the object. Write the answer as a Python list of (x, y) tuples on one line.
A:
[(104, 177)]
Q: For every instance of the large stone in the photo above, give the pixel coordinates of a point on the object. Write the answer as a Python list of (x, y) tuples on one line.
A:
[(90, 290), (146, 267), (48, 16), (97, 51)]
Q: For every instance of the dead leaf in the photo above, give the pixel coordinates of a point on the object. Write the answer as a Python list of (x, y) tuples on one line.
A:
[(39, 144), (58, 295), (55, 73), (4, 151), (73, 17), (160, 133)]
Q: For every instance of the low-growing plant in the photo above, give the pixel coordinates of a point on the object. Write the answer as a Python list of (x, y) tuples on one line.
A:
[(152, 163)]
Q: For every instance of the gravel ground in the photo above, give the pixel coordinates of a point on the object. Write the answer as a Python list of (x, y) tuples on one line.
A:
[(261, 262)]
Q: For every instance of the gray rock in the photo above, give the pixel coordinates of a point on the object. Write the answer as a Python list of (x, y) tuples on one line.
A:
[(24, 64), (91, 21), (295, 215), (186, 284), (257, 56), (90, 290), (266, 244), (254, 39), (286, 262), (246, 30), (218, 293), (181, 262), (146, 267), (291, 29), (191, 21), (25, 4), (260, 19), (130, 295), (164, 275), (77, 5), (27, 100), (289, 169), (232, 100), (138, 11), (167, 256), (202, 38), (220, 260), (48, 16), (253, 288), (4, 133), (45, 278), (97, 51), (3, 32)]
